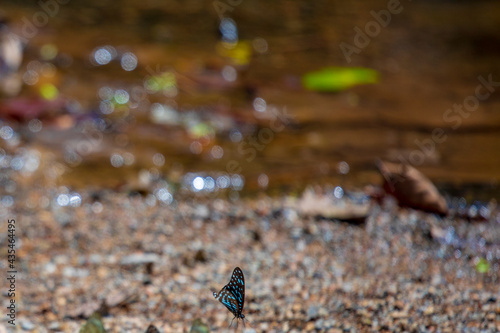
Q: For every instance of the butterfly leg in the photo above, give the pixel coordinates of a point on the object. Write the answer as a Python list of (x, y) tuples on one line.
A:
[(232, 323)]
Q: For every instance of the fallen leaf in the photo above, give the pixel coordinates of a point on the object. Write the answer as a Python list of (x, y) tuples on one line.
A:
[(411, 188)]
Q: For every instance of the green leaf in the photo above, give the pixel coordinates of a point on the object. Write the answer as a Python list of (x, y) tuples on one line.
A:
[(483, 266), (338, 78), (93, 325), (199, 327)]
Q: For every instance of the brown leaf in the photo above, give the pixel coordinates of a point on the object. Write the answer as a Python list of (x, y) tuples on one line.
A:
[(411, 188)]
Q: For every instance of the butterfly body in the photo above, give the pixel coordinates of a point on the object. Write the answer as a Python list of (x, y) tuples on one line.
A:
[(232, 295), (152, 329)]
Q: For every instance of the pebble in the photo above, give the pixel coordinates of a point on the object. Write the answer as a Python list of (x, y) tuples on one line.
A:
[(202, 212), (54, 326), (72, 272), (399, 314), (429, 310), (312, 312), (323, 312), (138, 259), (27, 325), (389, 277), (318, 324), (310, 326)]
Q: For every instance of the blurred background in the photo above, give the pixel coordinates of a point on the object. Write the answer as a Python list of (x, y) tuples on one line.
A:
[(124, 126), (242, 96)]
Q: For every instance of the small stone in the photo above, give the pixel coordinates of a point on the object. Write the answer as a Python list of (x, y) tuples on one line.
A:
[(140, 259), (399, 305), (323, 312), (318, 324), (363, 313), (399, 314), (202, 212), (347, 287), (312, 312), (329, 323), (264, 326), (309, 326), (55, 326), (49, 268), (429, 310), (27, 325), (366, 321), (72, 272)]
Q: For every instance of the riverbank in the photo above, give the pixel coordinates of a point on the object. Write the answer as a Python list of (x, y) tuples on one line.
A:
[(141, 262)]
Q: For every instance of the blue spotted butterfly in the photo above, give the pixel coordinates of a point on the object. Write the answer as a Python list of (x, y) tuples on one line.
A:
[(152, 329), (232, 295)]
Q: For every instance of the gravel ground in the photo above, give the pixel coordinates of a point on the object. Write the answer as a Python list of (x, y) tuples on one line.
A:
[(141, 263)]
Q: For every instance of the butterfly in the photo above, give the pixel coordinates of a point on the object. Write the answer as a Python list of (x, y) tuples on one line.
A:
[(232, 295), (152, 329)]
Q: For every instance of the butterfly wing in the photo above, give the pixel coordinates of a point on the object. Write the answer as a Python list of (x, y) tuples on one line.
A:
[(237, 287), (232, 295), (227, 298)]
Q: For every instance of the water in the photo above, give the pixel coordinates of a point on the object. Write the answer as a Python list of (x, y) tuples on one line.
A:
[(131, 81)]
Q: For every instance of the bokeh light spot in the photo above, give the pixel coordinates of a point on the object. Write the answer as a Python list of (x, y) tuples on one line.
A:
[(35, 125), (260, 45), (259, 104), (103, 56), (196, 147), (48, 91), (106, 93), (128, 61), (223, 182), (158, 159), (343, 168), (6, 132), (198, 184), (106, 107), (229, 73), (228, 30), (217, 152), (121, 96), (338, 192), (263, 180), (48, 52), (117, 160)]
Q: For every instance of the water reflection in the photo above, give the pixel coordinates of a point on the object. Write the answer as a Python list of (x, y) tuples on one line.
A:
[(189, 99)]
